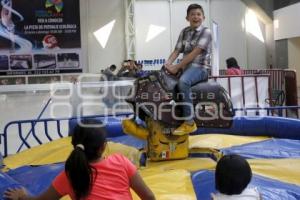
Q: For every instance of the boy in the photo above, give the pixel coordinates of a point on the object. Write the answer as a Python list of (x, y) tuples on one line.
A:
[(195, 43)]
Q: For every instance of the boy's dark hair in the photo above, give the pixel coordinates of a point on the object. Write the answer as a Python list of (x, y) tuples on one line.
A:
[(192, 7), (233, 174), (232, 63), (92, 136)]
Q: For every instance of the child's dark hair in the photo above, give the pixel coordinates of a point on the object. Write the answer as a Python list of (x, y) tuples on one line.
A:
[(233, 174), (192, 7), (112, 67), (232, 63), (88, 138)]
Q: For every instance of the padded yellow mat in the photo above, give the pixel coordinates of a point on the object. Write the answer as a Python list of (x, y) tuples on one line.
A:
[(285, 170), (58, 151), (172, 179), (173, 184), (212, 143), (168, 179), (219, 141)]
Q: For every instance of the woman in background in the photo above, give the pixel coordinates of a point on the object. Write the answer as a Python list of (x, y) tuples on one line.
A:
[(232, 67)]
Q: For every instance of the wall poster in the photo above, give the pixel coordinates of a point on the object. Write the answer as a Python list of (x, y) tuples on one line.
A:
[(39, 37)]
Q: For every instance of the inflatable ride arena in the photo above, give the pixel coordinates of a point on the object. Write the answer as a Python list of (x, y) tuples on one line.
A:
[(173, 166)]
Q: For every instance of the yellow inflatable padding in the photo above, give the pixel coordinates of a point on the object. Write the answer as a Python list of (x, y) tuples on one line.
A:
[(52, 152), (189, 164), (58, 151), (170, 185), (171, 180), (285, 170), (219, 141)]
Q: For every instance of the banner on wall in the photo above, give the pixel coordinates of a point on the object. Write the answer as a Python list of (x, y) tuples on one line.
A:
[(39, 37)]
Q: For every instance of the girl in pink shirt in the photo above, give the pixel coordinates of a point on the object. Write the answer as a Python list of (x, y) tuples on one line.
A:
[(88, 175), (233, 67)]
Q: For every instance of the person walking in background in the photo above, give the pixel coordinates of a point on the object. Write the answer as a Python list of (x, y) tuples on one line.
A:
[(233, 67)]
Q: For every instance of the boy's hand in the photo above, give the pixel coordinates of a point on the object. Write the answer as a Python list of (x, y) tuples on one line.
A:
[(15, 194), (172, 69)]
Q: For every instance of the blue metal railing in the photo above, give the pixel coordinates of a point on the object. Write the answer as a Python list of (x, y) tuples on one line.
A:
[(32, 130), (45, 124)]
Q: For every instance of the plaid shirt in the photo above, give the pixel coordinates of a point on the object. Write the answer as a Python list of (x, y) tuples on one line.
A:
[(190, 39)]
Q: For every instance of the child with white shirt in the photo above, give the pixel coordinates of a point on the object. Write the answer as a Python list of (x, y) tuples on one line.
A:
[(232, 176)]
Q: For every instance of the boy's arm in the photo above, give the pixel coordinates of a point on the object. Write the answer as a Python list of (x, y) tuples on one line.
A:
[(172, 57), (189, 58), (174, 69)]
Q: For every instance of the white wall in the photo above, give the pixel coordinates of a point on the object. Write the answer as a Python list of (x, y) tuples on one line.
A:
[(172, 17), (288, 22), (230, 15), (159, 47), (294, 58), (94, 15), (256, 50), (235, 42)]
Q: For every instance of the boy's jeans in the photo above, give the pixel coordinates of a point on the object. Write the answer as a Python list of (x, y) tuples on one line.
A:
[(192, 75)]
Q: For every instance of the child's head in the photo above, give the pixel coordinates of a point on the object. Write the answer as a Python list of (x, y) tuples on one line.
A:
[(92, 135), (233, 174), (195, 15), (232, 63), (112, 68), (89, 141)]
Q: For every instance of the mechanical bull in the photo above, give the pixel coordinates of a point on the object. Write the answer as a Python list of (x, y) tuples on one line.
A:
[(155, 101)]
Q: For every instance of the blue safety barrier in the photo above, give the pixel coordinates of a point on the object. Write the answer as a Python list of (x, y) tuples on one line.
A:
[(7, 182), (36, 179), (246, 126), (273, 148), (111, 123), (1, 160), (260, 126), (129, 140)]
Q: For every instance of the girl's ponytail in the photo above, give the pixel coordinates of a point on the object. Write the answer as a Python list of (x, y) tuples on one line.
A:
[(79, 172), (88, 140)]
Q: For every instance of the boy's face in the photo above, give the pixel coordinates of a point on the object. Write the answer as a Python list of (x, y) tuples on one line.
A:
[(195, 17)]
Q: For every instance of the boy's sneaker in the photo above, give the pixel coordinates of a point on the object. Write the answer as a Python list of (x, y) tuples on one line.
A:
[(185, 128)]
